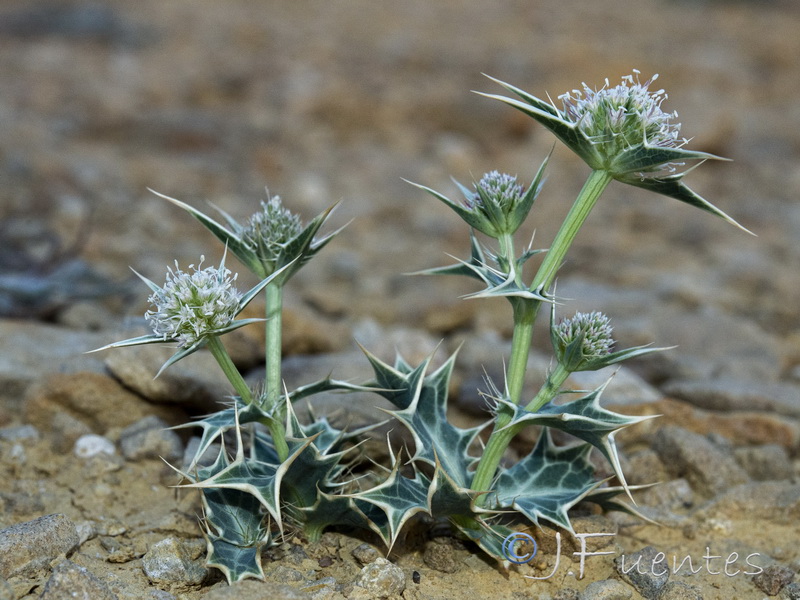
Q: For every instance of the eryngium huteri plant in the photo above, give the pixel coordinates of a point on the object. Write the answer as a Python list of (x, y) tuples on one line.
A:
[(275, 472)]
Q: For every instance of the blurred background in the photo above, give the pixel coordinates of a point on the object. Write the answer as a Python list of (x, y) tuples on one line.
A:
[(337, 102)]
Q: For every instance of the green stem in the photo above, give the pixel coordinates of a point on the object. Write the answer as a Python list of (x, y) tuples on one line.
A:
[(550, 389), (594, 186), (502, 435), (506, 258), (272, 378), (490, 459), (524, 316), (273, 338), (525, 311), (230, 370)]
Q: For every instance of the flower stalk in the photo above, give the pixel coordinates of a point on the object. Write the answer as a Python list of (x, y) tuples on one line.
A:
[(225, 363), (525, 311), (273, 336)]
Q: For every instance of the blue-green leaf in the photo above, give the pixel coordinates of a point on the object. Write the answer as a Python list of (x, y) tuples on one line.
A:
[(548, 482)]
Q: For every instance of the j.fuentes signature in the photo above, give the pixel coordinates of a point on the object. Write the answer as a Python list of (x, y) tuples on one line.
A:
[(657, 565)]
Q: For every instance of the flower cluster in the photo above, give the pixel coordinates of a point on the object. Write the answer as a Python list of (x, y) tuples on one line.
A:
[(268, 231), (499, 188), (621, 117), (497, 205), (583, 342), (622, 133), (194, 305)]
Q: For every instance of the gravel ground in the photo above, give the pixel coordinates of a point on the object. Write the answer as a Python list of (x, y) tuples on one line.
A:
[(338, 102)]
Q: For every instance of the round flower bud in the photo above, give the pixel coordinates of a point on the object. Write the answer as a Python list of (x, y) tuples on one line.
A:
[(583, 339), (268, 231), (501, 189)]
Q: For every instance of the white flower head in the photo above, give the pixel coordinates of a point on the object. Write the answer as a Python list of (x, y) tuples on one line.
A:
[(194, 305), (621, 117), (621, 131)]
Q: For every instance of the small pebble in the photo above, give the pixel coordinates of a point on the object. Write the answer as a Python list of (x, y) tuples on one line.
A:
[(70, 581), (365, 554), (171, 561), (791, 592), (150, 438), (440, 556), (608, 589), (91, 444), (678, 590), (773, 579), (646, 570), (28, 548), (382, 579), (19, 433)]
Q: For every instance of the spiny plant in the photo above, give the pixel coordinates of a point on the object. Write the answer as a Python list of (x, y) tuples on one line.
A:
[(286, 471)]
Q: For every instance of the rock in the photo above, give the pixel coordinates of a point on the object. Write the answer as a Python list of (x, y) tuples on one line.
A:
[(173, 561), (766, 462), (88, 21), (791, 592), (414, 345), (439, 555), (195, 381), (624, 386), (712, 343), (70, 581), (72, 405), (741, 428), (382, 579), (773, 500), (208, 457), (647, 570), (673, 495), (160, 595), (707, 468), (365, 554), (29, 349), (773, 579), (149, 438), (323, 588), (6, 591), (19, 433), (284, 574), (361, 408), (28, 548), (731, 394), (678, 590), (306, 332), (644, 467), (607, 589), (250, 589), (91, 444)]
